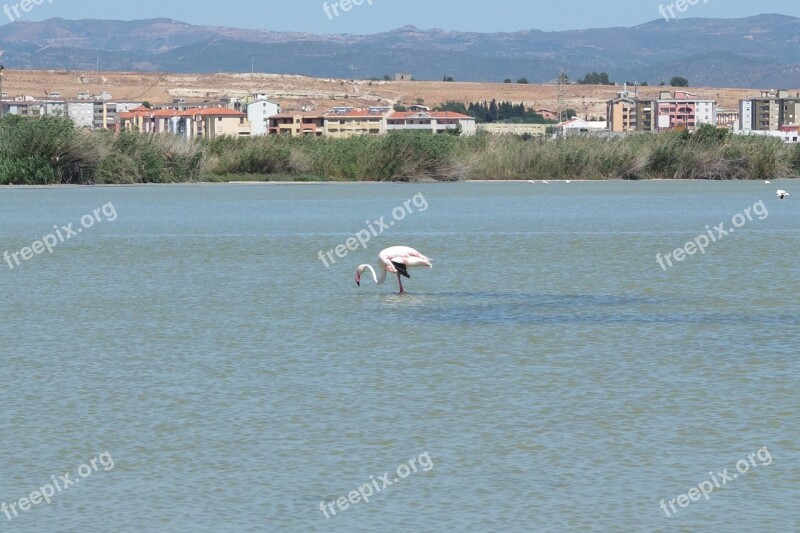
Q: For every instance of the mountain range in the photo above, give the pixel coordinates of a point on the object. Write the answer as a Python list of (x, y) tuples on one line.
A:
[(761, 51)]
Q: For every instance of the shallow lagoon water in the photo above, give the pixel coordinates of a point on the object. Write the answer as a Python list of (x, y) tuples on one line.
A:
[(556, 376)]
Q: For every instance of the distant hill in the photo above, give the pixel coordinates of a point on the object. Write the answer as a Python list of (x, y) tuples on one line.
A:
[(761, 51)]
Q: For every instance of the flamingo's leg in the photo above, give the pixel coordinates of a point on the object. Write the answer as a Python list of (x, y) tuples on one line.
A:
[(400, 281)]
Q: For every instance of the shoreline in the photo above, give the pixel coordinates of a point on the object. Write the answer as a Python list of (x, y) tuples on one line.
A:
[(421, 183)]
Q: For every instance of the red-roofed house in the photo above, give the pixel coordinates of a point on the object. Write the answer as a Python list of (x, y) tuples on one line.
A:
[(196, 122), (433, 121)]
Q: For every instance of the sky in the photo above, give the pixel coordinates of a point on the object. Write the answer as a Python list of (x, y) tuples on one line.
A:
[(374, 16)]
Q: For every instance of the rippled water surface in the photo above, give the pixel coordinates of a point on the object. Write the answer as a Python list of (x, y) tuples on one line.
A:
[(555, 375)]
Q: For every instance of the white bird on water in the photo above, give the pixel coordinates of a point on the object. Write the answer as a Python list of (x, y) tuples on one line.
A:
[(782, 194), (766, 182), (396, 260)]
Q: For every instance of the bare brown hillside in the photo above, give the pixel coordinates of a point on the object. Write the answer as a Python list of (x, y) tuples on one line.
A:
[(294, 92)]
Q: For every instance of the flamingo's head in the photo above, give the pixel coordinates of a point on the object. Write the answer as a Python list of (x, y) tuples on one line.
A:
[(358, 276)]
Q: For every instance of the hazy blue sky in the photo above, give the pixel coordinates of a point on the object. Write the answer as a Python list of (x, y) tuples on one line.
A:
[(467, 15)]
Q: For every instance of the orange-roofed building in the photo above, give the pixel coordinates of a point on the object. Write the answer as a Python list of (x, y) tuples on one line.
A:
[(196, 122), (433, 121)]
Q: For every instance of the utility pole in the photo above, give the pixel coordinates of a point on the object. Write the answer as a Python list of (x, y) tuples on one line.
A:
[(561, 106), (2, 105)]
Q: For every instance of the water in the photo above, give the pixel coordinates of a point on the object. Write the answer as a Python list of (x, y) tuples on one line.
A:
[(555, 375)]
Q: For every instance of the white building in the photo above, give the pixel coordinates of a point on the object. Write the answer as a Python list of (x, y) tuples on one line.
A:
[(81, 113), (577, 126), (258, 114), (785, 136), (705, 112), (434, 121)]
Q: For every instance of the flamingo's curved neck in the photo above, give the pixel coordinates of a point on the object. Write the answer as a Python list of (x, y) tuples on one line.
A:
[(375, 276)]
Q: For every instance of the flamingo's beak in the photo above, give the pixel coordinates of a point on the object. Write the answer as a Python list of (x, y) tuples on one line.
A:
[(358, 280)]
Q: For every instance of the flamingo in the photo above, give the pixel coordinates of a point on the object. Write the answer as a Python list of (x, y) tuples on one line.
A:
[(782, 194), (396, 260)]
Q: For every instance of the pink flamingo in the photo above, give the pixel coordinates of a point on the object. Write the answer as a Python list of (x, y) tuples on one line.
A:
[(396, 260)]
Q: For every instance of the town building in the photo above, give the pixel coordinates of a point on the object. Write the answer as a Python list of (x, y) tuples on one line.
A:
[(770, 111), (258, 114), (622, 114), (81, 113), (501, 128), (297, 124), (346, 121), (728, 118), (195, 122), (669, 111), (34, 108), (683, 110), (577, 126), (791, 136), (547, 114), (433, 121)]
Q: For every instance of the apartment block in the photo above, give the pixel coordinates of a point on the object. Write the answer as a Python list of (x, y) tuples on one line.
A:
[(433, 121), (770, 111), (669, 111), (297, 124), (343, 122), (194, 122), (258, 113)]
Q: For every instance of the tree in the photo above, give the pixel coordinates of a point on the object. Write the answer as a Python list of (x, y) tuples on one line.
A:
[(420, 101), (450, 105), (386, 77), (457, 131), (677, 81), (523, 81), (507, 80), (595, 78), (571, 113), (400, 108), (147, 104)]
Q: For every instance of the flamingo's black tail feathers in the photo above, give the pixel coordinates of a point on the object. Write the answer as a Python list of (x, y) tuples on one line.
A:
[(402, 270)]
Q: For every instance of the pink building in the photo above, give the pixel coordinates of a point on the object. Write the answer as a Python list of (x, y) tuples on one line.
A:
[(683, 110)]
